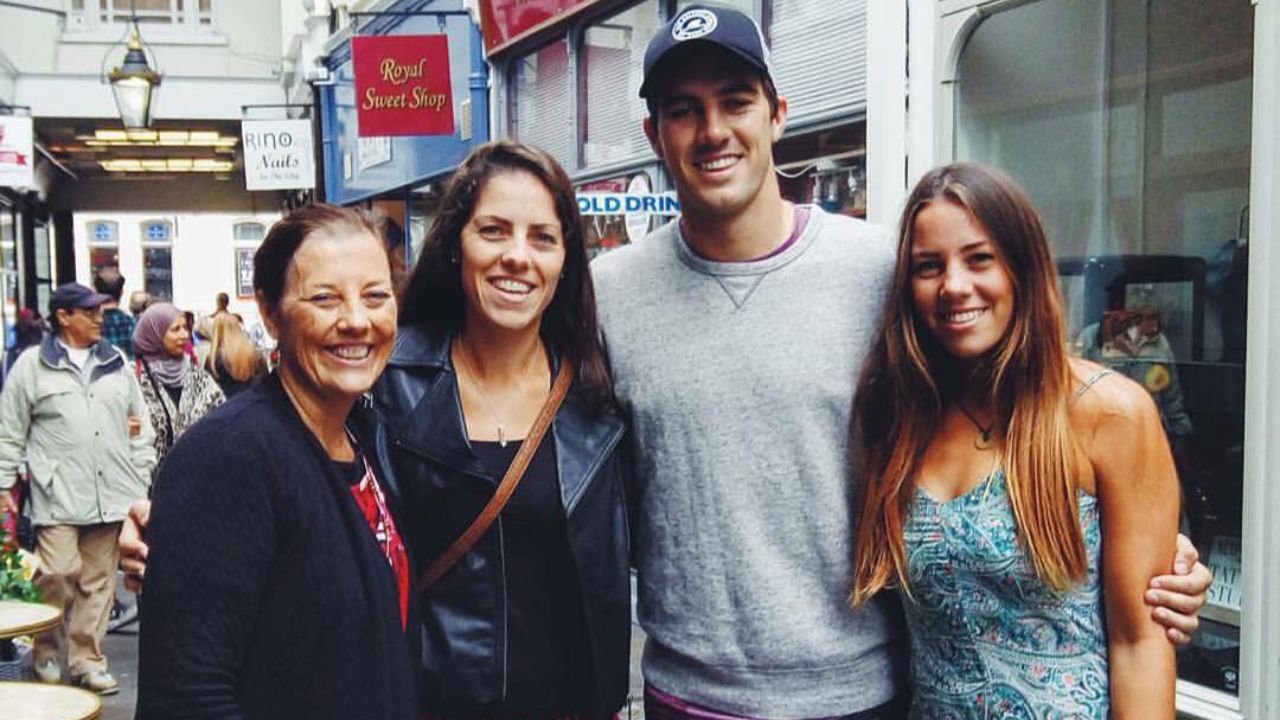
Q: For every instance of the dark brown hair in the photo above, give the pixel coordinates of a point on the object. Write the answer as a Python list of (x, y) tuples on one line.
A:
[(271, 261), (908, 379), (432, 295), (110, 283)]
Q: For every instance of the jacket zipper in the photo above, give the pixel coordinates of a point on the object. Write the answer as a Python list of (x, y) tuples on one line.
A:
[(502, 554)]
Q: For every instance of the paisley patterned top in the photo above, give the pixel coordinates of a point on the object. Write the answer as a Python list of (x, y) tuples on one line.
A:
[(988, 638)]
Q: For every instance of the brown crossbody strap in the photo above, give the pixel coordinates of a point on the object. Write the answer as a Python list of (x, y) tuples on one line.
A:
[(515, 472)]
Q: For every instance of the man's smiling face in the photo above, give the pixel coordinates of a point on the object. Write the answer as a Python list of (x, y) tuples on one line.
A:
[(714, 129)]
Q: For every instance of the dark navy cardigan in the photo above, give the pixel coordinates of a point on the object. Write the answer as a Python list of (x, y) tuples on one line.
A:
[(266, 595)]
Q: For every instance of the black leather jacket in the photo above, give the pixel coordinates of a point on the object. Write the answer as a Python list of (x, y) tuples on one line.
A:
[(464, 614)]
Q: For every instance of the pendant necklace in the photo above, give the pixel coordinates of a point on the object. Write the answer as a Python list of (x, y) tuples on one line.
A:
[(983, 441), (474, 381)]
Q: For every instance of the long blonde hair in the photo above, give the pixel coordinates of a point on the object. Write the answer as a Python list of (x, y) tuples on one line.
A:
[(908, 379), (232, 344)]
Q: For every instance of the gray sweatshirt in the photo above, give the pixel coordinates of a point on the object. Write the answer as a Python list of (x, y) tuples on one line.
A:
[(739, 380)]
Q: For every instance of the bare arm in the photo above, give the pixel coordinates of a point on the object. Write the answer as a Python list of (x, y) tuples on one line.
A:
[(1137, 487)]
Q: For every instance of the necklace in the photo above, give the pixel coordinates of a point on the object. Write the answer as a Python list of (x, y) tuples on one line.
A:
[(473, 379), (983, 441)]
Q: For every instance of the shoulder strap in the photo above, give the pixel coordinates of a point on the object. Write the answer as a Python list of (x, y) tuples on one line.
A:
[(515, 472), (1090, 382)]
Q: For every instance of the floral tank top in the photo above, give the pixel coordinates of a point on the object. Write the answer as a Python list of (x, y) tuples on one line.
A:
[(989, 639)]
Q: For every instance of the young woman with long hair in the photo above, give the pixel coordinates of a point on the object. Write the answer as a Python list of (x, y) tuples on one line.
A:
[(993, 467), (535, 621), (233, 360)]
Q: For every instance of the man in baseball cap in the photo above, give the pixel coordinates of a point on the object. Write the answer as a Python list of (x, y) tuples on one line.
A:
[(66, 407), (75, 295), (714, 114), (740, 407)]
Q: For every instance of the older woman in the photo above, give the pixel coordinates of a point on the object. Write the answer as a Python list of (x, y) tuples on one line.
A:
[(277, 584), (177, 391)]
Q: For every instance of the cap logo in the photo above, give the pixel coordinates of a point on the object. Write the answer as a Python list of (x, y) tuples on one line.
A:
[(693, 24)]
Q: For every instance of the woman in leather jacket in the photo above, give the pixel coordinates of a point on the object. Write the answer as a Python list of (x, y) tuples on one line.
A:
[(535, 619)]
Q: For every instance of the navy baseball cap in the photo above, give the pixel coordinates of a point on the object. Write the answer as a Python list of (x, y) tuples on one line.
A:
[(731, 29), (75, 295)]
